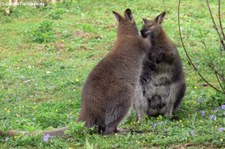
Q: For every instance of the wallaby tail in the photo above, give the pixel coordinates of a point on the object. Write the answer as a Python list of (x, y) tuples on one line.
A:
[(54, 132)]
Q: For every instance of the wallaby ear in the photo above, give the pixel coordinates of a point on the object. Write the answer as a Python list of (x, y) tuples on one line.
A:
[(117, 16), (145, 20), (159, 19), (128, 14)]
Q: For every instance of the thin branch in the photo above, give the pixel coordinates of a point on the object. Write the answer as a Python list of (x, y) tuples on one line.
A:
[(219, 81), (221, 76), (220, 20), (213, 66), (164, 5), (217, 75), (189, 59), (214, 24), (207, 50)]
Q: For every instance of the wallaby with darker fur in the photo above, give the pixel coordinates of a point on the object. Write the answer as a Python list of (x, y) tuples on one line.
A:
[(109, 89), (162, 83)]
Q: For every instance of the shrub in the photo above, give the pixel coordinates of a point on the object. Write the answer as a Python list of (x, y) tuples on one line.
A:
[(44, 33)]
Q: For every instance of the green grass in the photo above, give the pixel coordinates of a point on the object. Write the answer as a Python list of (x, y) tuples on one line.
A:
[(41, 82)]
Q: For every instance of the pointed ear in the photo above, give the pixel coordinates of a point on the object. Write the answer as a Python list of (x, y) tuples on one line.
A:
[(128, 14), (159, 19), (145, 20), (117, 16)]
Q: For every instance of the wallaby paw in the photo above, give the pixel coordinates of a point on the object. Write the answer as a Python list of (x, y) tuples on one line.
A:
[(175, 118), (122, 131), (172, 117), (139, 120), (159, 58)]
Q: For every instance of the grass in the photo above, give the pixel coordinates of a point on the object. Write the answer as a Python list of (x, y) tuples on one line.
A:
[(41, 81)]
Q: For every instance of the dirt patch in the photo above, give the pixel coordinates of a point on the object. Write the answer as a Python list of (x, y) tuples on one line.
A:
[(110, 27), (81, 34), (191, 146), (59, 45)]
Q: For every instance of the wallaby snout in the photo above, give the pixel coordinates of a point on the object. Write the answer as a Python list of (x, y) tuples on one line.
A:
[(143, 33)]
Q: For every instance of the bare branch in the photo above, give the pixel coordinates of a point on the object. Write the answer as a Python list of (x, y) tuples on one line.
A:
[(220, 20), (189, 59), (219, 80), (221, 75), (216, 74), (214, 25), (212, 66)]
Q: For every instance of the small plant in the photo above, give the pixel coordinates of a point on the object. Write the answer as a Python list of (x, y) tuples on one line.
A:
[(88, 145), (56, 14), (77, 129), (44, 33), (5, 19)]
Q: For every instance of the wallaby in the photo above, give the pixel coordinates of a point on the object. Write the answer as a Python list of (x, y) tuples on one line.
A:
[(162, 82), (108, 91)]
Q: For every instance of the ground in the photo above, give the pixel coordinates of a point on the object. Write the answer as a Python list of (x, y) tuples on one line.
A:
[(46, 54)]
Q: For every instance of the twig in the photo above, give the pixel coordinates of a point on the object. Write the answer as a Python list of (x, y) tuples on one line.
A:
[(212, 66), (189, 59), (221, 76), (216, 74), (221, 86), (220, 20), (214, 24)]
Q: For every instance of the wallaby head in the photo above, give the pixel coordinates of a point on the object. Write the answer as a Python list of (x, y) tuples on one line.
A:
[(126, 24), (153, 27)]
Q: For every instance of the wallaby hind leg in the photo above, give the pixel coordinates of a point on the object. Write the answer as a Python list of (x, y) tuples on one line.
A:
[(111, 128), (118, 109), (169, 111), (179, 96), (113, 119), (175, 98), (140, 103), (140, 115), (171, 99), (140, 109)]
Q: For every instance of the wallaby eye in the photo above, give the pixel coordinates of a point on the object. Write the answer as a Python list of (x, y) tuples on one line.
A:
[(149, 26)]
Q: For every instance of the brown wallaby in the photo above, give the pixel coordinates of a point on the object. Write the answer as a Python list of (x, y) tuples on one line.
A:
[(109, 89), (162, 83)]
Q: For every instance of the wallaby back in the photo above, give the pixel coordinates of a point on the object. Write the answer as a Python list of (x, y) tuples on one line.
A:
[(108, 91)]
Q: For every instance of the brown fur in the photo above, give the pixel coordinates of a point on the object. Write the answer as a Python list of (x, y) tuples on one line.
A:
[(108, 91), (162, 84)]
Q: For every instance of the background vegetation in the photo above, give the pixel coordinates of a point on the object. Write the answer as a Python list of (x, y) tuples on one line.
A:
[(46, 54)]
